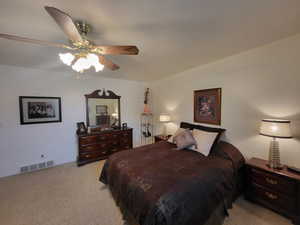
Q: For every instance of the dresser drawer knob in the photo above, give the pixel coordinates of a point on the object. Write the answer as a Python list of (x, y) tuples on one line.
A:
[(271, 181), (271, 196)]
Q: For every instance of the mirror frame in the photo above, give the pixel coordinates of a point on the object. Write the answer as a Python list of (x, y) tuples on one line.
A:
[(102, 94)]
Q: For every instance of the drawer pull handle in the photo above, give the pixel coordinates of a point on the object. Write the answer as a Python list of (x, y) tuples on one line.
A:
[(271, 181), (271, 196)]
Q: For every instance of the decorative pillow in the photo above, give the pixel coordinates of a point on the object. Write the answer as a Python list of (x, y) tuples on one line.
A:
[(184, 139), (178, 131), (204, 141), (220, 131)]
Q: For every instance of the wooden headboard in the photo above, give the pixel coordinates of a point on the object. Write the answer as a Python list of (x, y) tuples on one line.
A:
[(200, 127)]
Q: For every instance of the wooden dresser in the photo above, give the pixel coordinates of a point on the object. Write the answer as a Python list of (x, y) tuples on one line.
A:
[(278, 190), (100, 145)]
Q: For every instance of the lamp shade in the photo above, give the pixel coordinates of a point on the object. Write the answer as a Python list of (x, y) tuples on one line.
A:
[(276, 128), (115, 115), (164, 118)]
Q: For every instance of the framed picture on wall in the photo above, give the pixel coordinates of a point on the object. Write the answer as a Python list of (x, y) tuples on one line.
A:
[(39, 109), (101, 109), (207, 106)]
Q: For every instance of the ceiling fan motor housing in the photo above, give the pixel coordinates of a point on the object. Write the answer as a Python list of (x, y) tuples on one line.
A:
[(83, 27)]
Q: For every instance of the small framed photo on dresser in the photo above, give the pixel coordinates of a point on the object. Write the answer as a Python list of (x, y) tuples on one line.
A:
[(207, 106), (39, 109)]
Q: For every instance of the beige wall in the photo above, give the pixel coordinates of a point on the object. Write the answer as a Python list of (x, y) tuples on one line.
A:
[(261, 83), (22, 145)]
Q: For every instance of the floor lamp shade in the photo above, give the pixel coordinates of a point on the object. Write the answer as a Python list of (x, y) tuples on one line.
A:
[(276, 129)]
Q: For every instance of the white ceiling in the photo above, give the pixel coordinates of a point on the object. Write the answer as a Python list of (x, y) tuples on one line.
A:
[(172, 35)]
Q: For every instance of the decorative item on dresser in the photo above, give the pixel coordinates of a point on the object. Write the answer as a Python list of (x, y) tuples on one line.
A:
[(278, 190), (161, 137), (81, 129), (99, 145)]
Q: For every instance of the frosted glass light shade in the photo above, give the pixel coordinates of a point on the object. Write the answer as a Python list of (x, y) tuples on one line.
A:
[(276, 128), (82, 62), (66, 58), (164, 118)]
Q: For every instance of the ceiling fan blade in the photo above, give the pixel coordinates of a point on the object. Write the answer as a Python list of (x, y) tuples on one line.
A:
[(117, 50), (65, 22), (33, 41), (107, 63)]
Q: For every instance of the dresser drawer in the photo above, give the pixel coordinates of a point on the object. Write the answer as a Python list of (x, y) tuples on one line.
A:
[(274, 182), (94, 147), (126, 134), (97, 146), (277, 201), (126, 147), (92, 155), (114, 136), (88, 140)]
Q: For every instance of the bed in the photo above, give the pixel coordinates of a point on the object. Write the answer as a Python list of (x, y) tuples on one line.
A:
[(159, 185)]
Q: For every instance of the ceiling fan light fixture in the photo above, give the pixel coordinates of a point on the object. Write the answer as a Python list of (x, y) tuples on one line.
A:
[(94, 61), (66, 58), (85, 61), (81, 64)]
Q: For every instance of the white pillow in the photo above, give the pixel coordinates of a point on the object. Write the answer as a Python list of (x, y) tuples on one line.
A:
[(204, 141), (178, 131)]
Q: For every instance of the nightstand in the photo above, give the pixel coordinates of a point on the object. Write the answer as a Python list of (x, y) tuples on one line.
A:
[(161, 137), (278, 190)]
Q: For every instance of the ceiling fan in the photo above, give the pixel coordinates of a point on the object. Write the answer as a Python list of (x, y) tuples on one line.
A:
[(84, 52)]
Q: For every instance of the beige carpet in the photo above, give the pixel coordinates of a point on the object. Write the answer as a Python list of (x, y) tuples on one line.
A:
[(70, 195)]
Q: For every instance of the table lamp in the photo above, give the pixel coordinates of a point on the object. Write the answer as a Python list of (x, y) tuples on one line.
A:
[(276, 129), (164, 118)]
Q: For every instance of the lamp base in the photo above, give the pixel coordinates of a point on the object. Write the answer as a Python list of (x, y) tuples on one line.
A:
[(274, 155), (278, 167), (164, 132)]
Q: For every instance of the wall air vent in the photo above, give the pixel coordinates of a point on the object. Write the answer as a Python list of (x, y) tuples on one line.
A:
[(38, 166)]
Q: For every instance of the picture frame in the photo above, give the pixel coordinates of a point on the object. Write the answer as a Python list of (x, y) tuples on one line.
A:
[(124, 126), (81, 128), (207, 106), (101, 109), (35, 110)]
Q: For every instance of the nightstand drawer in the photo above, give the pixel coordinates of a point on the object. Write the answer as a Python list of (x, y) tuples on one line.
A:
[(272, 199), (274, 182), (275, 189)]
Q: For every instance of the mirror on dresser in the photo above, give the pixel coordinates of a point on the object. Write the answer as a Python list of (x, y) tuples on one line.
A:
[(103, 110), (106, 136)]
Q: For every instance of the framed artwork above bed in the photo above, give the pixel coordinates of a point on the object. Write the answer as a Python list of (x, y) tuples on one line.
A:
[(207, 106)]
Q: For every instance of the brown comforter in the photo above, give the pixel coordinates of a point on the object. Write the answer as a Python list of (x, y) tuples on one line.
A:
[(158, 185)]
